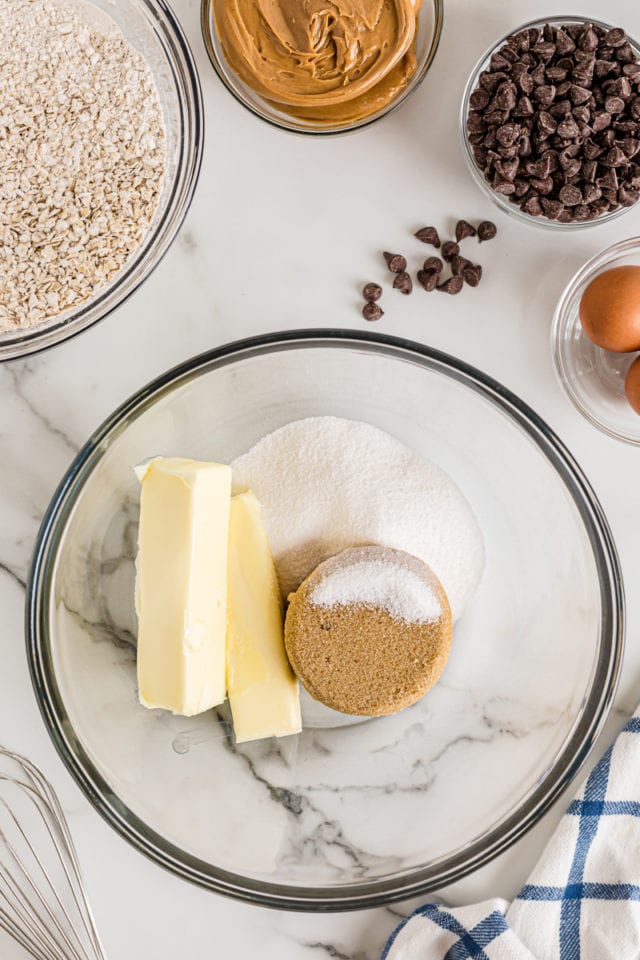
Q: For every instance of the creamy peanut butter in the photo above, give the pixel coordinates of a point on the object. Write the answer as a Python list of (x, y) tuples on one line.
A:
[(326, 61)]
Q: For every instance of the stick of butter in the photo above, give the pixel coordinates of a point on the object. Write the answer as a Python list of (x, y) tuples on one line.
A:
[(181, 589), (263, 691)]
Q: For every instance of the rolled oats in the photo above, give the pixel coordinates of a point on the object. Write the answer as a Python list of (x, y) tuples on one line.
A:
[(82, 158)]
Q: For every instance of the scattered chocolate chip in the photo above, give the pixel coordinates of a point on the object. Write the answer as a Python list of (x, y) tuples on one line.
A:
[(429, 235), (371, 311), (472, 274), (372, 292), (459, 264), (433, 263), (567, 95), (396, 262), (464, 229), (428, 279), (452, 285), (403, 282), (449, 250), (486, 231)]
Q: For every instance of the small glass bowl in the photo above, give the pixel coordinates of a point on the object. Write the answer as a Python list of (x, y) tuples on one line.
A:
[(430, 22), (593, 378), (152, 28), (503, 202)]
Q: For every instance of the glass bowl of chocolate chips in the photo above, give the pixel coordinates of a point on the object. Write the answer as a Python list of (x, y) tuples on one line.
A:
[(550, 122)]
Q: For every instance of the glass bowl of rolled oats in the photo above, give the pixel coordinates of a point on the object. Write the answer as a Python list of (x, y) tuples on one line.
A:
[(101, 134)]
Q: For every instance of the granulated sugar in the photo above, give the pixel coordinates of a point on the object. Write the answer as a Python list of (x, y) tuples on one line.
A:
[(373, 583), (326, 484)]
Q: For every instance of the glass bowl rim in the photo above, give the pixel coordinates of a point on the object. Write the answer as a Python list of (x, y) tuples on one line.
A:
[(503, 203), (160, 237), (560, 324), (206, 21), (411, 883)]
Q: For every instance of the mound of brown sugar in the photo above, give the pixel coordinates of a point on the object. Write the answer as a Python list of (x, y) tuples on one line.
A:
[(369, 631)]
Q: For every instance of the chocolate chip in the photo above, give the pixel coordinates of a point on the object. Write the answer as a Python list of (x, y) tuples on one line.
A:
[(546, 123), (505, 98), (579, 95), (428, 279), (433, 264), (464, 229), (614, 105), (609, 181), (472, 274), (372, 291), (504, 187), (543, 187), (452, 285), (564, 43), (545, 94), (525, 83), (428, 235), (568, 129), (479, 99), (371, 311), (627, 196), (449, 250), (572, 169), (539, 168), (601, 121), (625, 54), (396, 262), (459, 264), (403, 283), (616, 157), (523, 108), (630, 147), (486, 231), (621, 88), (570, 195), (591, 150), (589, 39), (533, 207), (507, 134), (551, 208), (615, 37)]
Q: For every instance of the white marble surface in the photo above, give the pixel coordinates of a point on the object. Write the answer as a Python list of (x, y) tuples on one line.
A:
[(281, 234)]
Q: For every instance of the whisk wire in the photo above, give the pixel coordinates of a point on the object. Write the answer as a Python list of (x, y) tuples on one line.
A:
[(39, 898), (43, 898), (44, 792)]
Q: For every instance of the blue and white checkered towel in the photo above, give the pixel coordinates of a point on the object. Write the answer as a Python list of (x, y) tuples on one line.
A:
[(582, 901)]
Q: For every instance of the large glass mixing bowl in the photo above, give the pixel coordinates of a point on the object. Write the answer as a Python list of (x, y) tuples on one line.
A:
[(350, 815)]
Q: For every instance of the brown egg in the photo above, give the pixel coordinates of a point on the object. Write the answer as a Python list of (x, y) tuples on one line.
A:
[(610, 309), (632, 385)]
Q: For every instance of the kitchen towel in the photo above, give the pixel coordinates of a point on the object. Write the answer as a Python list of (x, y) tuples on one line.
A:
[(582, 901)]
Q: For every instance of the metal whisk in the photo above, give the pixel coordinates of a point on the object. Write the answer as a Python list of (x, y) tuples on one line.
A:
[(43, 899)]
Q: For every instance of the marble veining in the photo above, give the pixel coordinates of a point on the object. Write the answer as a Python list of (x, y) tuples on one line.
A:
[(265, 248)]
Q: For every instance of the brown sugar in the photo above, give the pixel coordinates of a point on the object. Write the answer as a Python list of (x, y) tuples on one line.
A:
[(363, 657)]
